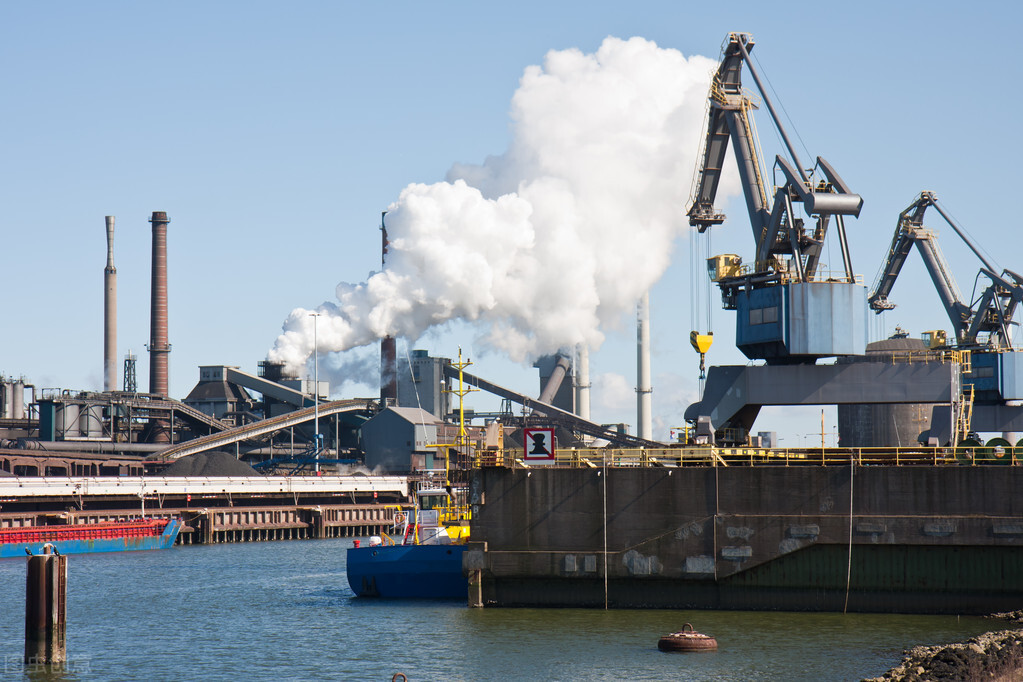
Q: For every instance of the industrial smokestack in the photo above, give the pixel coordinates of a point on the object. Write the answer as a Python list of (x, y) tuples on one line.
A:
[(159, 347), (643, 389), (110, 313), (582, 378), (388, 345)]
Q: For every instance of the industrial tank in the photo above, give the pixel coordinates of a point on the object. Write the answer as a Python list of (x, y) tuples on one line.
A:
[(18, 400), (6, 399), (91, 421), (885, 425), (67, 421)]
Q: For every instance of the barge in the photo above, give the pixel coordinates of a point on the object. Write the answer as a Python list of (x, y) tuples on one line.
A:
[(137, 534)]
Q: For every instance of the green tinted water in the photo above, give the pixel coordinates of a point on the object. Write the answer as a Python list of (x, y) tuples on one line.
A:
[(283, 610)]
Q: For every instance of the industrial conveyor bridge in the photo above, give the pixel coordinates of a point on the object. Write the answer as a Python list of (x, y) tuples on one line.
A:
[(264, 427), (138, 486), (553, 414)]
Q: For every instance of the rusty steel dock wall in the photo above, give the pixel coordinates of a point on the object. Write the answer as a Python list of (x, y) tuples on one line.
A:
[(924, 539)]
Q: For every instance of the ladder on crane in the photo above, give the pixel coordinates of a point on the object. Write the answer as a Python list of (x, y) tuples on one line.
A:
[(962, 400)]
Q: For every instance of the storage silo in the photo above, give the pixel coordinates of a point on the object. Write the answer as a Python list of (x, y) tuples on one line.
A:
[(885, 425), (67, 426), (90, 421)]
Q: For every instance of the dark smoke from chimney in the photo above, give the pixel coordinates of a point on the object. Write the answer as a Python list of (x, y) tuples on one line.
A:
[(388, 345)]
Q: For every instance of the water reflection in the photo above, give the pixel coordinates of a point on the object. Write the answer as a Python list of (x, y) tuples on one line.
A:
[(283, 610)]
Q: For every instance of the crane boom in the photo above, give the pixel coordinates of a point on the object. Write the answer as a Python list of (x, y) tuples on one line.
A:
[(775, 229), (729, 119), (909, 230), (990, 313)]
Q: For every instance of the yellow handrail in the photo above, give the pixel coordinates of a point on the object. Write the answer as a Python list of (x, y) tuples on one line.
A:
[(712, 456)]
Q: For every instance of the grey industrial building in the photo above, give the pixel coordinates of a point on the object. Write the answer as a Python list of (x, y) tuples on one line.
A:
[(399, 438)]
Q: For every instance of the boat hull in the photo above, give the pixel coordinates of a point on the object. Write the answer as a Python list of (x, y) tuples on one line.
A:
[(408, 571), (89, 538)]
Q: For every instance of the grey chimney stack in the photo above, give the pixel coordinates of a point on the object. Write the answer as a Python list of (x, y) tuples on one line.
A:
[(110, 313)]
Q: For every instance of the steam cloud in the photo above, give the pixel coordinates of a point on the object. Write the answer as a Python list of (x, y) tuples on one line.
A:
[(557, 238)]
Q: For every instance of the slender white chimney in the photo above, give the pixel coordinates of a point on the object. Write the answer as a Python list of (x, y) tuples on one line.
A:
[(643, 389), (110, 313), (582, 381)]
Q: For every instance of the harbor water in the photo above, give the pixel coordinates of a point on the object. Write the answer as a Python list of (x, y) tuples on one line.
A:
[(284, 611)]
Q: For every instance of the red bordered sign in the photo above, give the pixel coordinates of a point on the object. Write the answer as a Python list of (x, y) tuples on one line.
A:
[(539, 444)]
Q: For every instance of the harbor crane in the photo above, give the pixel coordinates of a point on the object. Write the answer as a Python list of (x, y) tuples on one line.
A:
[(984, 322), (789, 310)]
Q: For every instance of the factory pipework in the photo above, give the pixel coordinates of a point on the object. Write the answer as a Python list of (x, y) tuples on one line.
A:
[(643, 389), (159, 346), (110, 313), (550, 389), (388, 345)]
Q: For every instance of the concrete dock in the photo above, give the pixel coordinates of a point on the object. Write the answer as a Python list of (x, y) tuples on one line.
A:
[(916, 538)]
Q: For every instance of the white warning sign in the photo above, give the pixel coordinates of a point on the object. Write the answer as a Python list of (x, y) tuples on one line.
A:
[(539, 443)]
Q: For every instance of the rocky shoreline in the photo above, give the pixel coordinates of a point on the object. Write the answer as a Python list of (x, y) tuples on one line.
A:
[(991, 656)]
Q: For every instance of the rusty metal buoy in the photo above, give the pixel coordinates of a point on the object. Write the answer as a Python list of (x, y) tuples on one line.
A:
[(687, 640)]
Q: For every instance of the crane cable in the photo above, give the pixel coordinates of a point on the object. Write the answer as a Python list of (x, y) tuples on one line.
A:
[(781, 103), (709, 323), (699, 293)]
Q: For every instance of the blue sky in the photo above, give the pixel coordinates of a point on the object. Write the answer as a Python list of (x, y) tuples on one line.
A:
[(274, 134)]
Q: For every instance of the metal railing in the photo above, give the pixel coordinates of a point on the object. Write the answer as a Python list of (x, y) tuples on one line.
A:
[(822, 275), (711, 456), (961, 357)]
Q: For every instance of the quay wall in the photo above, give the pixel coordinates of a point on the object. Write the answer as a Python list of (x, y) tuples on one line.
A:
[(938, 539)]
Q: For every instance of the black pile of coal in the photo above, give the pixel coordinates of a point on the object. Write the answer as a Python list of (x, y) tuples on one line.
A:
[(209, 464)]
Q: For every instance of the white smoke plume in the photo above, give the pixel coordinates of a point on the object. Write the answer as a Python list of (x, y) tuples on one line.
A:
[(545, 245)]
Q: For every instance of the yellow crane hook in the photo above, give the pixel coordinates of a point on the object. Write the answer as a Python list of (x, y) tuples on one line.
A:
[(701, 344)]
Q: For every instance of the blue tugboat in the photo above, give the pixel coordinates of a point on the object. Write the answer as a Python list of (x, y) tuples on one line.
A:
[(425, 564), (408, 571)]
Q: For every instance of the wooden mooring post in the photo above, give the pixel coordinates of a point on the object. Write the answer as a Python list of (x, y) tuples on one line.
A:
[(46, 608)]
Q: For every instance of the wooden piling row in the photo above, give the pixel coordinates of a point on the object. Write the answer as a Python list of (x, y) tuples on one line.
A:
[(225, 536), (217, 525), (230, 525)]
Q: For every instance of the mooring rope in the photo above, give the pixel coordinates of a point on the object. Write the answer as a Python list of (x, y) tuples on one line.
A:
[(605, 532), (848, 568)]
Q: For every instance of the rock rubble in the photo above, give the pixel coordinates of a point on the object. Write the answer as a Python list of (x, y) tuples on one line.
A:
[(991, 656)]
